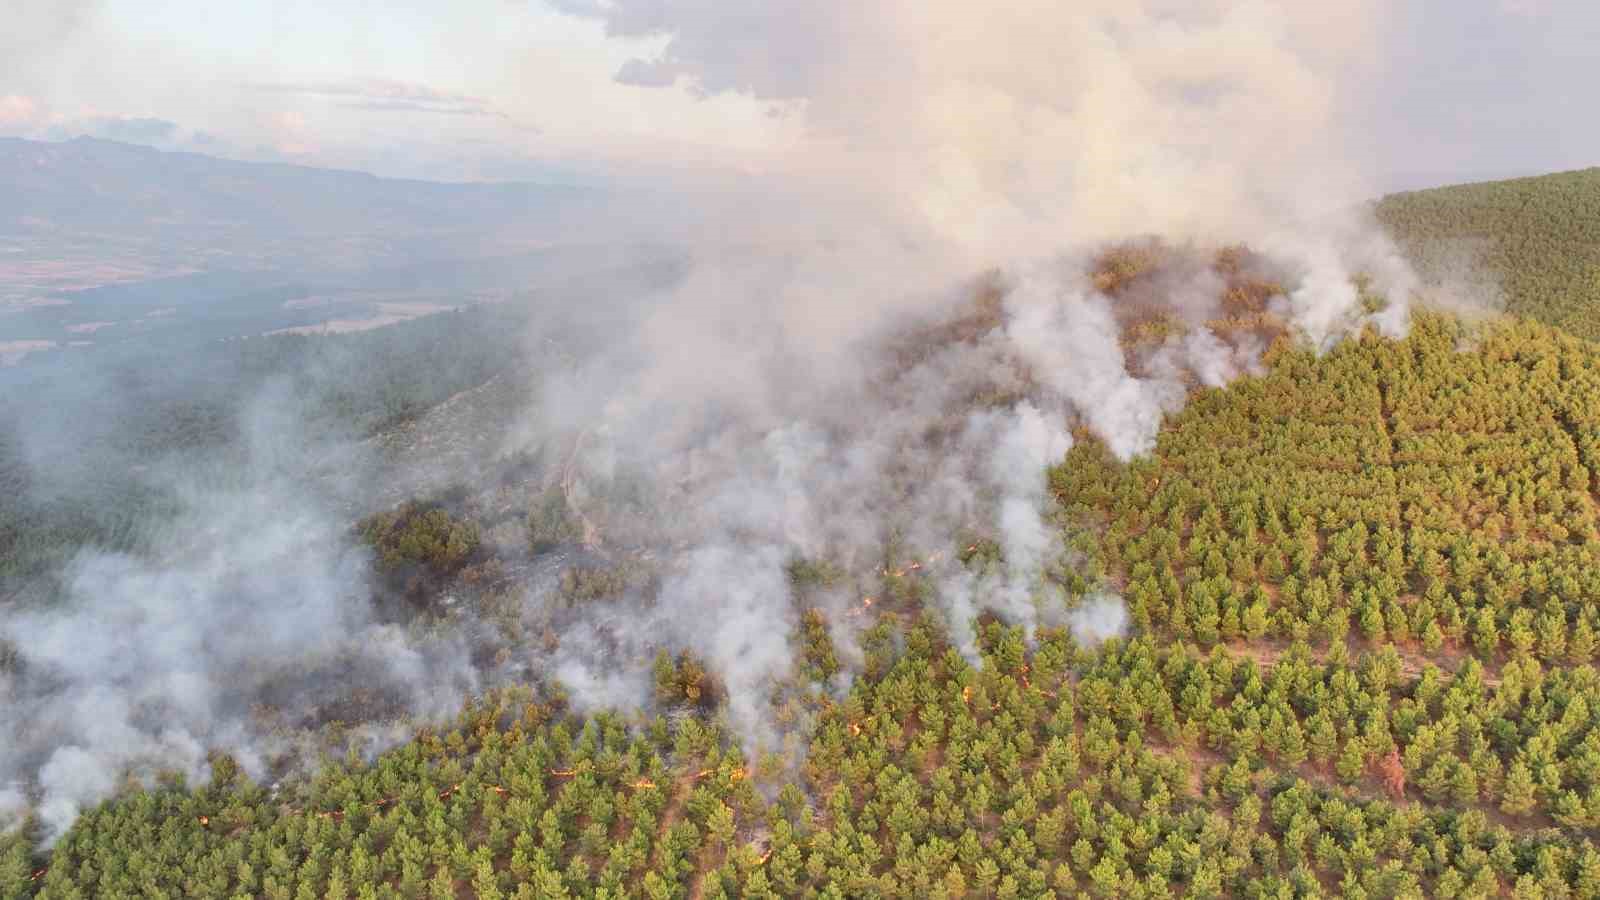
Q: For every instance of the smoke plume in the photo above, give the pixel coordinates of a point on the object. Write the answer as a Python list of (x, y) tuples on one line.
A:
[(880, 340), (255, 600), (822, 388)]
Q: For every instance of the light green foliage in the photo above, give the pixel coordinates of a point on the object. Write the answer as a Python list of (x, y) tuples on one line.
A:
[(420, 535), (1407, 493), (1382, 561)]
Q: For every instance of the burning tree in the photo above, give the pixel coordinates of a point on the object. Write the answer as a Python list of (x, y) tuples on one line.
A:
[(1394, 774)]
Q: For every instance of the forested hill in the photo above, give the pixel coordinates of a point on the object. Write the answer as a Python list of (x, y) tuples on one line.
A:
[(1534, 240), (1365, 592), (1364, 595)]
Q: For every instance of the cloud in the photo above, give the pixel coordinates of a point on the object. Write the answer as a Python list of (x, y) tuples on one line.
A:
[(289, 134), (134, 130), (414, 106), (35, 29), (17, 112), (1017, 127), (648, 73), (776, 50), (382, 95)]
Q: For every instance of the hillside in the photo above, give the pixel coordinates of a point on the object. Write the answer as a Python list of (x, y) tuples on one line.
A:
[(1361, 590), (1364, 594), (1535, 241)]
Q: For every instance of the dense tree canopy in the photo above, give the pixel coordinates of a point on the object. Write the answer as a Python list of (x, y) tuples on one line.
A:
[(1534, 242), (1362, 663)]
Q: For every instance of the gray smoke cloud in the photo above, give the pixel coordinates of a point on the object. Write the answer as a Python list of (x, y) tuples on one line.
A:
[(255, 597)]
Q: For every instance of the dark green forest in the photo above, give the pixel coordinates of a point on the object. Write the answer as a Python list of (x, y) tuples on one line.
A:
[(1534, 242)]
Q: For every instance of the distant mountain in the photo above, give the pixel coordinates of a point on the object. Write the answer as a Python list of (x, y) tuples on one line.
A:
[(88, 212), (98, 184)]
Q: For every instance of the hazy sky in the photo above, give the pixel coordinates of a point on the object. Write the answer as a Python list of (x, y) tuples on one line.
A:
[(629, 88)]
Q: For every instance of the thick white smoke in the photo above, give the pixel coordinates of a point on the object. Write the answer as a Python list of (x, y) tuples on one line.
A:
[(1012, 127), (934, 139), (937, 419), (257, 599)]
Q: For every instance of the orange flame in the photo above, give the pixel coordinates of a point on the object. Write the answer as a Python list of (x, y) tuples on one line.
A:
[(39, 874), (966, 695), (855, 729), (701, 774), (563, 773), (737, 774), (205, 821), (764, 857), (497, 789), (644, 783)]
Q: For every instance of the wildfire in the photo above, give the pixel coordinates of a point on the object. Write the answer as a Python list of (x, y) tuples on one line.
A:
[(205, 821), (855, 729), (737, 774), (563, 773), (1394, 774), (644, 783), (39, 874), (915, 565), (701, 774), (496, 788), (966, 695), (764, 857)]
